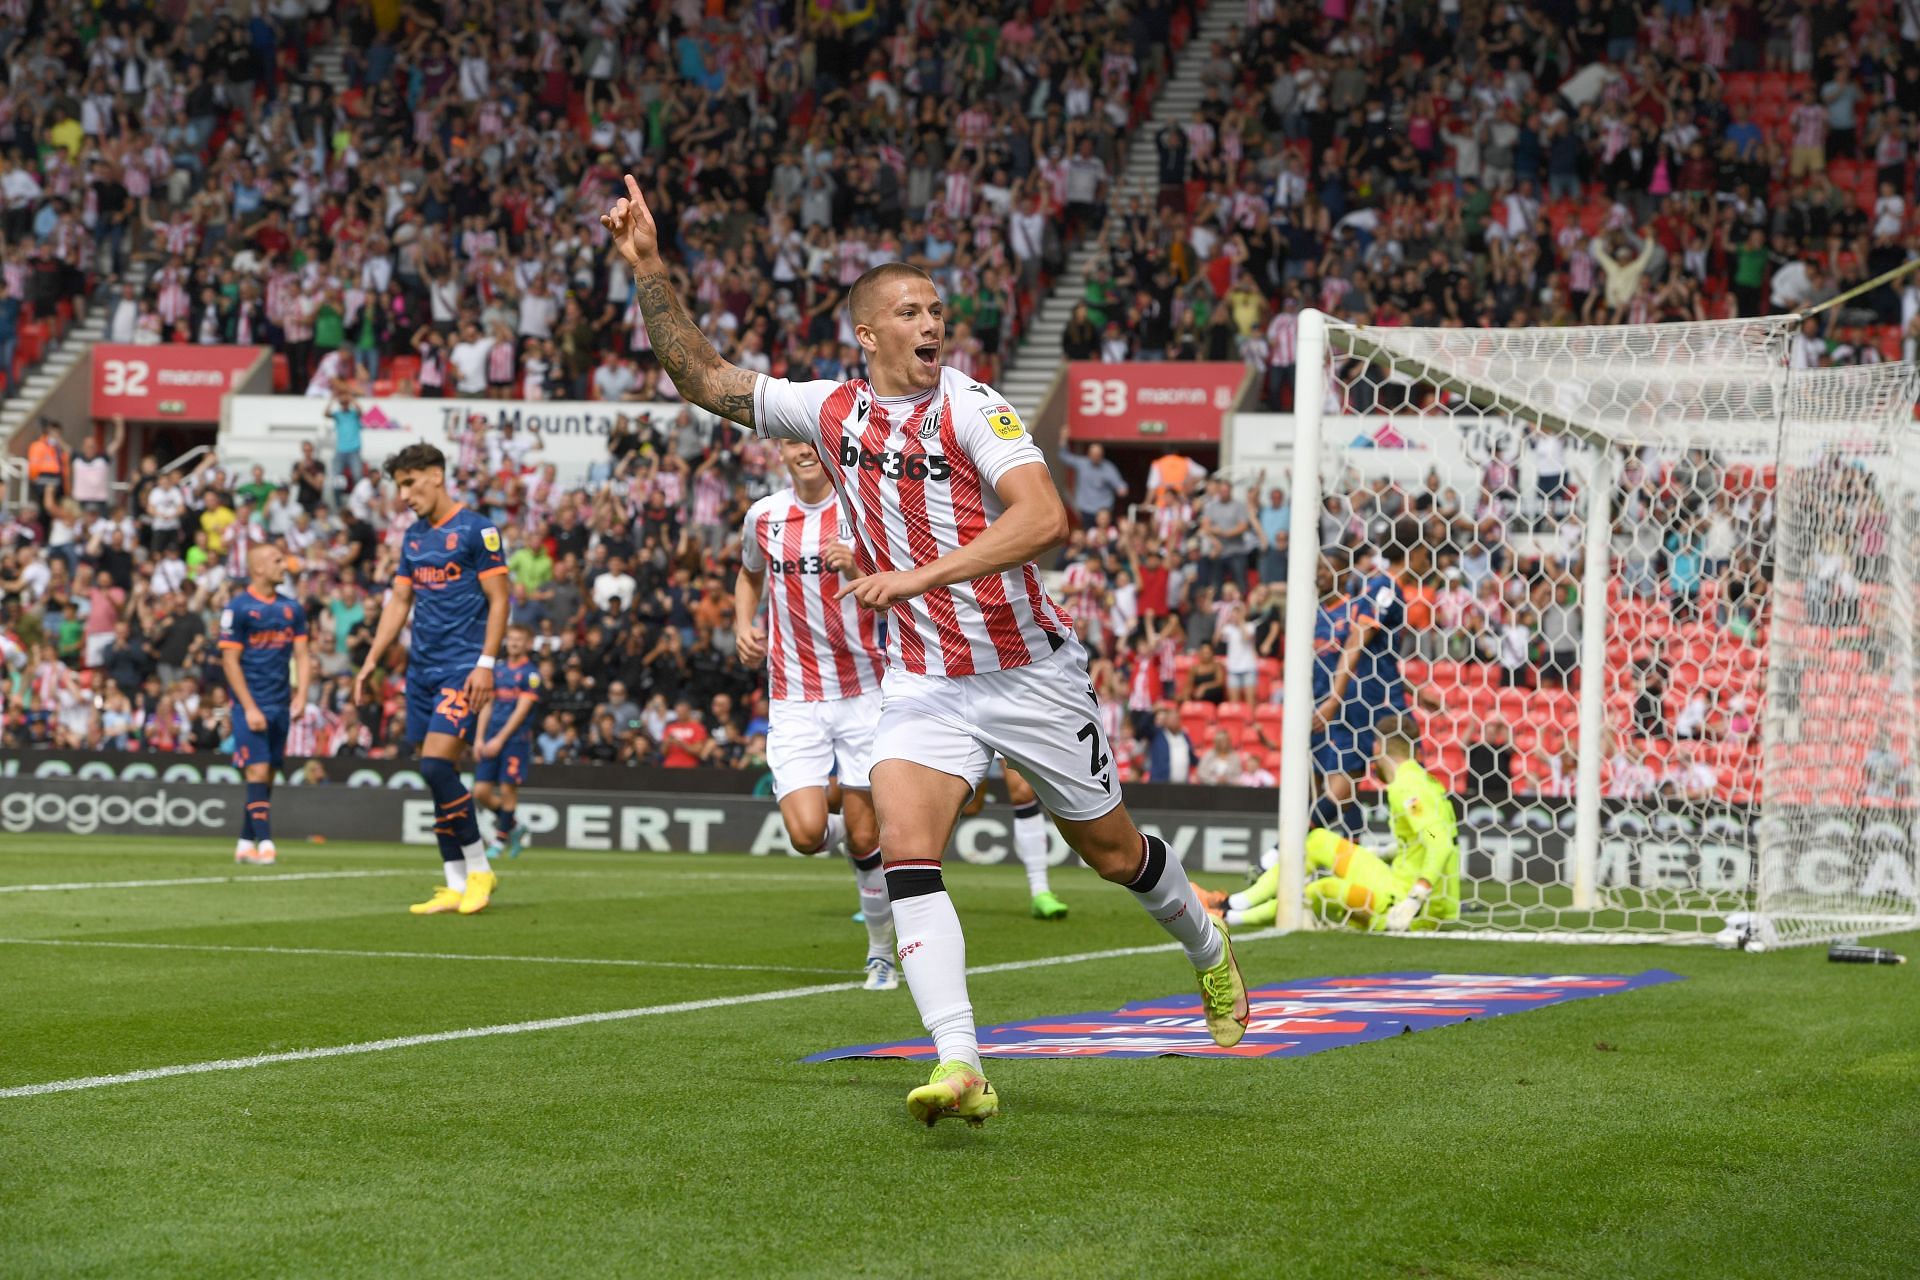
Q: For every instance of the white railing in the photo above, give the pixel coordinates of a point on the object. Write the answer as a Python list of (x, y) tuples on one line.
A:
[(13, 482)]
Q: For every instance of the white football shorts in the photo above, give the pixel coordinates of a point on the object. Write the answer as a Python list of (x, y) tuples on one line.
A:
[(806, 739), (1042, 717)]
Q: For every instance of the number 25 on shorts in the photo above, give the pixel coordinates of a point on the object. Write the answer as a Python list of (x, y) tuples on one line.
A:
[(452, 706)]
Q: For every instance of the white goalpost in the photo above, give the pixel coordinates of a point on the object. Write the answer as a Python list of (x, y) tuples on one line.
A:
[(1660, 641)]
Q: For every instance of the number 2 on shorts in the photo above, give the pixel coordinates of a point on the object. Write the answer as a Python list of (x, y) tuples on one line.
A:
[(1090, 734)]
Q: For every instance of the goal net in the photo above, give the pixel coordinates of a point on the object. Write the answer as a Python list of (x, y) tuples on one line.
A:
[(1655, 624)]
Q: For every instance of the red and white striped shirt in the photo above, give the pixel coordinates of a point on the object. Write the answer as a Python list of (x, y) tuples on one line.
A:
[(973, 124), (240, 537), (500, 363), (918, 476), (710, 493), (1582, 274), (851, 256), (172, 300), (307, 731), (1199, 138), (957, 193), (821, 645), (1716, 40), (1283, 340), (71, 242), (1809, 125)]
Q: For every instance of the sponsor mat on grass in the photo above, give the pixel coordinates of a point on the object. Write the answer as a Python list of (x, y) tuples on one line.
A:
[(1290, 1019)]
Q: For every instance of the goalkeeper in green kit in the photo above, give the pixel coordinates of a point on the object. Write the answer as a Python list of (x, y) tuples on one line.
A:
[(1417, 890)]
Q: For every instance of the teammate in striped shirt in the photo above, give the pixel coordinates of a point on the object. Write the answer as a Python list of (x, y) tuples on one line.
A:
[(823, 659), (950, 500)]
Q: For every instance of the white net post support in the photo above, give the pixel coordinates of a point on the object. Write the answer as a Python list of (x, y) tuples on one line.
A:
[(1597, 570), (1622, 819), (1303, 553)]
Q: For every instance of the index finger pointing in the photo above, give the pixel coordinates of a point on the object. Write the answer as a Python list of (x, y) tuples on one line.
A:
[(633, 190)]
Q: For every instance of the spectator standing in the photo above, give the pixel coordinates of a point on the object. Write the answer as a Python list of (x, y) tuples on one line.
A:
[(347, 425), (1170, 753), (1095, 482), (1227, 524), (467, 362), (48, 460)]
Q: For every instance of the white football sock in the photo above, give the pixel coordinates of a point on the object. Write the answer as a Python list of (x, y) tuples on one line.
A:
[(476, 856), (1030, 844), (1163, 889), (456, 873), (933, 957), (875, 907), (1238, 902), (836, 834)]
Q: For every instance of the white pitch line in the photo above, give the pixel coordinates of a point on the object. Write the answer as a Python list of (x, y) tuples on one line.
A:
[(408, 1042), (153, 884), (543, 1024), (1043, 962), (410, 955)]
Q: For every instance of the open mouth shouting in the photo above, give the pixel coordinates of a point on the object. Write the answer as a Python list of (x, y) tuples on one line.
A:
[(928, 354)]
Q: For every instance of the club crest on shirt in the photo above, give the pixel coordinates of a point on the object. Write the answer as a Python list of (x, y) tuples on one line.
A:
[(1005, 422), (453, 540), (490, 538), (930, 426)]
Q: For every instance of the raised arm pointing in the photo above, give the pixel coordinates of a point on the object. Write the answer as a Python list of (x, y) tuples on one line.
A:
[(697, 370)]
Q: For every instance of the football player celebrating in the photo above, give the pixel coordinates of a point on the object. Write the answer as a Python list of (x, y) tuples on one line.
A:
[(503, 755), (824, 663), (453, 581), (259, 632), (950, 500)]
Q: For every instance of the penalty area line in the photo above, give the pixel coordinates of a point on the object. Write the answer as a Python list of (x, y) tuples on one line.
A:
[(219, 948), (549, 1024)]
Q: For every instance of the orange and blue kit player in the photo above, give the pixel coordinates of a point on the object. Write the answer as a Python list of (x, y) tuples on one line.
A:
[(446, 563), (263, 628)]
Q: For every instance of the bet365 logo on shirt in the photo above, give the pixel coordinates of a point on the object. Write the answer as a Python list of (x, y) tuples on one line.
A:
[(800, 564), (893, 464)]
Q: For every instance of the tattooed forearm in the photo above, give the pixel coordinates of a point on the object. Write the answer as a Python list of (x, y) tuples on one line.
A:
[(697, 370)]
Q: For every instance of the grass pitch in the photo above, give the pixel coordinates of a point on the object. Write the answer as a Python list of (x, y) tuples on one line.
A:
[(1759, 1119)]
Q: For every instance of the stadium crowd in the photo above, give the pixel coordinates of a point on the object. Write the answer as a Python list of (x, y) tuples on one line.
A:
[(432, 227), (1582, 161)]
